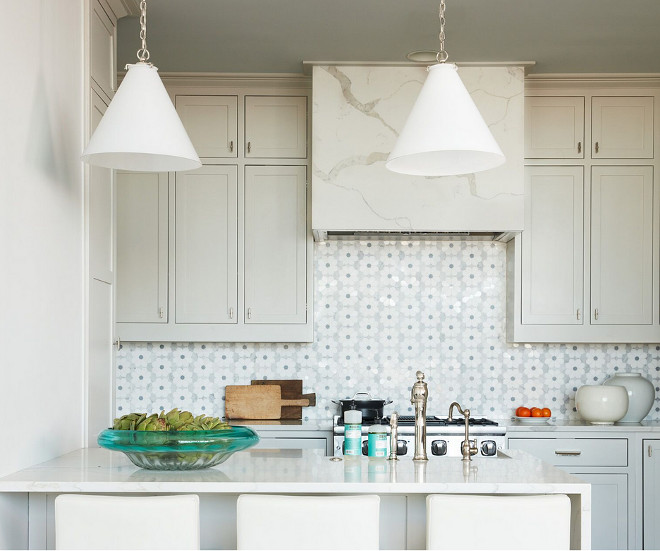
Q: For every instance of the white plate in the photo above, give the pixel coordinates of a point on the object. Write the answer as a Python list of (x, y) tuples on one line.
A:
[(532, 420)]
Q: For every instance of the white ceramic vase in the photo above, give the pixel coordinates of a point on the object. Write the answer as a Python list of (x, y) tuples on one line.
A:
[(641, 395), (601, 405)]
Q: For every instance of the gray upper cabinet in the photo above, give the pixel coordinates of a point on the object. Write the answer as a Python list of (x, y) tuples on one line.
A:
[(276, 127), (554, 127), (622, 127), (142, 256), (206, 252), (275, 244), (222, 253), (586, 268), (211, 123)]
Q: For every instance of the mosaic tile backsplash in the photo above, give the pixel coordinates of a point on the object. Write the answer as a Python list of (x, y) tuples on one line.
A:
[(383, 310)]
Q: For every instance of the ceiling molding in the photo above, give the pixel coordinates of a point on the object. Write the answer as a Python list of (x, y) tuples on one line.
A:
[(614, 80), (307, 65), (237, 80), (124, 8)]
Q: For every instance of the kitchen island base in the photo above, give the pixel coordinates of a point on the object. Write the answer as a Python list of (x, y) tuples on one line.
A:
[(402, 486)]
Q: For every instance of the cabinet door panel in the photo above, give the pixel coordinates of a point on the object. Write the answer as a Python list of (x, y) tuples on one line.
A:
[(275, 244), (206, 245), (141, 247), (102, 46), (651, 477), (100, 395), (101, 258), (276, 126), (609, 509), (552, 246), (211, 123), (554, 127), (622, 127), (622, 245)]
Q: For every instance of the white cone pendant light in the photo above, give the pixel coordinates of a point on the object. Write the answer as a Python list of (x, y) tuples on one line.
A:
[(444, 133), (141, 130)]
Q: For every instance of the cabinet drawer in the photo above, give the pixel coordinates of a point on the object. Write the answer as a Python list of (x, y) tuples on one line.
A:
[(587, 452)]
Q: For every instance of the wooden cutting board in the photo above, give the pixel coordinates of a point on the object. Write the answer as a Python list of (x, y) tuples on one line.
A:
[(256, 402), (291, 390)]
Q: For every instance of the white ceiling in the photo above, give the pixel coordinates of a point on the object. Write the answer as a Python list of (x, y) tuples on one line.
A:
[(275, 36)]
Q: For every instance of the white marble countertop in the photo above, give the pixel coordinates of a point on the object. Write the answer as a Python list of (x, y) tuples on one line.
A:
[(279, 425), (563, 425), (297, 471)]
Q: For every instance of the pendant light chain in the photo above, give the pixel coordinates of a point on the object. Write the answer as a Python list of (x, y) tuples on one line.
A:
[(143, 53), (442, 54)]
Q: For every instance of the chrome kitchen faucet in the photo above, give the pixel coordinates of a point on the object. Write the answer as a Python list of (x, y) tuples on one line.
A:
[(418, 396)]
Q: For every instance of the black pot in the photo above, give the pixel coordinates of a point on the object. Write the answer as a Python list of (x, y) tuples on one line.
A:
[(362, 401)]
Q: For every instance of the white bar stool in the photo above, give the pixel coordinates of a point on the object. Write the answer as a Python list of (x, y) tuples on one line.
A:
[(307, 522), (498, 522), (117, 522)]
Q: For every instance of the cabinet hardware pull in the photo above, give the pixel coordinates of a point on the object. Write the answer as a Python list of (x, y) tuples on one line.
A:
[(231, 146), (249, 312), (578, 314), (161, 312), (650, 450), (579, 147), (117, 343), (596, 313), (249, 146), (569, 453), (596, 148), (231, 313)]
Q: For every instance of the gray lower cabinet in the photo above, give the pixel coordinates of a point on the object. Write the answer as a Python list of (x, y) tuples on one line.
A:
[(651, 493), (603, 463)]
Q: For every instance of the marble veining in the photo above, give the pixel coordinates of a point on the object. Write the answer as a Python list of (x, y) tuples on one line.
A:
[(384, 309), (358, 112)]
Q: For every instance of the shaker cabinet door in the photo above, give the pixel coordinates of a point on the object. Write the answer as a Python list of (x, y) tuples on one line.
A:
[(622, 127), (651, 492), (211, 123), (275, 244), (206, 279), (142, 228), (552, 246), (622, 245), (554, 127), (276, 127)]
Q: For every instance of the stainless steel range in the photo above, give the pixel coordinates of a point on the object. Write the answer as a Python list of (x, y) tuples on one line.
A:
[(444, 437)]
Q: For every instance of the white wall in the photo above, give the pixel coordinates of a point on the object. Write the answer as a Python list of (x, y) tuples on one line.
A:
[(41, 238)]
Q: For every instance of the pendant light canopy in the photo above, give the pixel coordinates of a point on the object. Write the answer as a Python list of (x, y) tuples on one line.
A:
[(141, 129), (444, 134)]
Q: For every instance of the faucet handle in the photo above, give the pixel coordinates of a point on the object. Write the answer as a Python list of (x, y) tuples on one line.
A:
[(420, 376), (473, 447)]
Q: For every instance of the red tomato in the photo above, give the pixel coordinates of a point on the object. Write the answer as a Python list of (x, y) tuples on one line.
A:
[(545, 412), (523, 412), (536, 412)]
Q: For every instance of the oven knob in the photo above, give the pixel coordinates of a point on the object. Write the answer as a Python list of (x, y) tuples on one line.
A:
[(401, 447), (488, 447), (365, 447), (439, 447)]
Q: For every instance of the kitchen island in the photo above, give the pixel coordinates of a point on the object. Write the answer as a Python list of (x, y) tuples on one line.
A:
[(403, 486)]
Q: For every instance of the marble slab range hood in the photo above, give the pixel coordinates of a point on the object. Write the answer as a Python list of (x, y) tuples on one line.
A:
[(357, 114)]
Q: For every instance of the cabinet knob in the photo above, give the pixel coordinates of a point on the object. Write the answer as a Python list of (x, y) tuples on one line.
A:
[(578, 314), (596, 147), (231, 313), (249, 313), (249, 147), (231, 146), (579, 147), (650, 451), (596, 314), (161, 313), (117, 343)]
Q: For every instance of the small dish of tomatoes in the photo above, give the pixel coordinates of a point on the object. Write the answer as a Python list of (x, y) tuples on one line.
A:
[(533, 415)]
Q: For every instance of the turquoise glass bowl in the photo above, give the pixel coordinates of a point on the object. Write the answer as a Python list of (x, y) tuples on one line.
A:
[(178, 450)]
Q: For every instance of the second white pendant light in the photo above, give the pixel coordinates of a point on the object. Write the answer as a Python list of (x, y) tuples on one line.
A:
[(444, 134)]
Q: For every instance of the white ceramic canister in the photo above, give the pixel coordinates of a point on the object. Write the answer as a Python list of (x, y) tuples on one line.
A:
[(641, 395)]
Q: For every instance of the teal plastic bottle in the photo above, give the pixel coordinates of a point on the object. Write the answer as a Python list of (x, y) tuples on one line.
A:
[(352, 432)]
